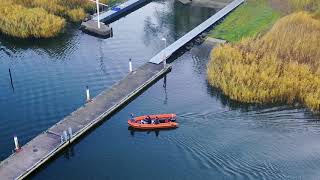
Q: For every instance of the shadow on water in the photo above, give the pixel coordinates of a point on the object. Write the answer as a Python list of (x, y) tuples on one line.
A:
[(225, 100), (55, 47), (173, 20), (156, 131)]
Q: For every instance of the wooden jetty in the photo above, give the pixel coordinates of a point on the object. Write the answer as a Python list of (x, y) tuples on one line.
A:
[(91, 27), (47, 144), (157, 59), (120, 10), (104, 30)]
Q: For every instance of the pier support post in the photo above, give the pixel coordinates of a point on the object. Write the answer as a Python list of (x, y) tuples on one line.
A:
[(130, 65), (88, 94), (16, 143)]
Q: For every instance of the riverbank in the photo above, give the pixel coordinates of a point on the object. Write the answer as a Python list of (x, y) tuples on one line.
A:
[(42, 19), (280, 66)]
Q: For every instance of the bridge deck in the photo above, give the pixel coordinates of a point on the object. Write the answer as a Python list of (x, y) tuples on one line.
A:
[(157, 59), (48, 143)]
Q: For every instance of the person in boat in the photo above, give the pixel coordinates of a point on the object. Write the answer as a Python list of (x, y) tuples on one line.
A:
[(132, 118), (157, 120), (148, 120), (172, 119)]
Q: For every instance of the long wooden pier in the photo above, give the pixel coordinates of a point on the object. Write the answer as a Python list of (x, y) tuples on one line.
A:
[(47, 144), (157, 59)]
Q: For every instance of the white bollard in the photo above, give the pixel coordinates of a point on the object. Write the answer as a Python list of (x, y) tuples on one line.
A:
[(65, 136), (61, 139), (130, 65), (164, 62), (88, 94), (98, 13), (70, 132), (16, 143)]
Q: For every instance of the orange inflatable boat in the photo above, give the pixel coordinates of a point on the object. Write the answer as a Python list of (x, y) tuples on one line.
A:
[(160, 121)]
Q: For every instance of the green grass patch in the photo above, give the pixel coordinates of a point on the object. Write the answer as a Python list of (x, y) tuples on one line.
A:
[(248, 20)]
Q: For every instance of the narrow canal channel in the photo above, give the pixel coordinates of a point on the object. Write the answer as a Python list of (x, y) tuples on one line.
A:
[(217, 138)]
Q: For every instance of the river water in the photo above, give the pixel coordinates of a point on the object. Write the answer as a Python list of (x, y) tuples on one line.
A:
[(217, 138)]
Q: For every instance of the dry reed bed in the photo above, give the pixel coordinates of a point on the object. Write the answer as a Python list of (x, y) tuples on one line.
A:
[(41, 18), (281, 66)]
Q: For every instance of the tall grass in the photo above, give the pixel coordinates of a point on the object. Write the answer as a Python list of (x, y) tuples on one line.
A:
[(281, 66), (306, 5), (41, 18), (70, 9), (19, 21)]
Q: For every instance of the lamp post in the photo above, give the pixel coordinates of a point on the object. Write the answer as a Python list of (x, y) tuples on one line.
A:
[(97, 2), (164, 51)]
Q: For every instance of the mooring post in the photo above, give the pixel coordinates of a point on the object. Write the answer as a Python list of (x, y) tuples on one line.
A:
[(70, 132), (88, 94), (65, 136), (130, 65), (98, 13), (164, 52), (16, 143), (61, 139)]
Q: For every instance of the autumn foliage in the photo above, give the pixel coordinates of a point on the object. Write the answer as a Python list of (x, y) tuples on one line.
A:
[(281, 66), (40, 18), (19, 21)]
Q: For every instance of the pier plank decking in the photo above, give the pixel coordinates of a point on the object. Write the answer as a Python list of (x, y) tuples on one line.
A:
[(157, 59), (47, 144)]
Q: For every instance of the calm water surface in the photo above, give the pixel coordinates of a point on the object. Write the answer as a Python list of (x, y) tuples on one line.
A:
[(217, 138)]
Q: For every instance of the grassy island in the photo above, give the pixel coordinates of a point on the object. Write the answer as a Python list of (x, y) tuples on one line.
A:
[(41, 18), (282, 65)]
